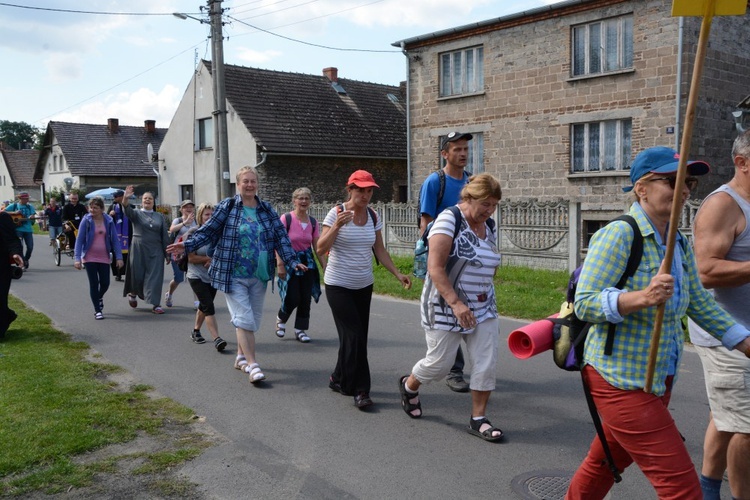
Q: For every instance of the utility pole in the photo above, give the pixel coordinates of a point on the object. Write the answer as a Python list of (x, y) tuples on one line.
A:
[(221, 140)]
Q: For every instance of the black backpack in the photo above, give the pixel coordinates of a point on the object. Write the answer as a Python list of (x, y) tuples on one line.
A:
[(441, 193), (569, 334)]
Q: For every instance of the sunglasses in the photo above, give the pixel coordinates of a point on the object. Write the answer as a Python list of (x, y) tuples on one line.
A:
[(690, 182)]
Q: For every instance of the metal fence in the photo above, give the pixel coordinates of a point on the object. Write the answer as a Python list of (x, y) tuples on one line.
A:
[(531, 233)]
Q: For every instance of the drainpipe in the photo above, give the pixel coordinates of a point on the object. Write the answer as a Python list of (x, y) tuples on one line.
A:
[(408, 126), (680, 31)]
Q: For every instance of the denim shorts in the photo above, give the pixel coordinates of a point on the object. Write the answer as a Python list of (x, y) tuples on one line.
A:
[(245, 302), (179, 276)]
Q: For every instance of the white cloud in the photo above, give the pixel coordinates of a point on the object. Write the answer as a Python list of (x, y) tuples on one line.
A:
[(63, 67), (256, 57), (130, 108)]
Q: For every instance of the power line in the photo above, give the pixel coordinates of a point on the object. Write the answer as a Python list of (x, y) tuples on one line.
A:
[(101, 13), (309, 43), (122, 82), (236, 12)]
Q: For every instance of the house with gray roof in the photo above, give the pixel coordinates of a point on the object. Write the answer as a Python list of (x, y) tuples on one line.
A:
[(299, 129), (17, 173), (94, 156)]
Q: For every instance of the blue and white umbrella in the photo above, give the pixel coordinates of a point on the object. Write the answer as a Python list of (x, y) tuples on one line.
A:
[(103, 193)]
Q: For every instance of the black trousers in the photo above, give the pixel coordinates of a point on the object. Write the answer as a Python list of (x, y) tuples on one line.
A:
[(5, 312), (351, 313), (298, 296)]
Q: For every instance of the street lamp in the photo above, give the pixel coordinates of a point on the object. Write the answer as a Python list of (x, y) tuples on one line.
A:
[(221, 140)]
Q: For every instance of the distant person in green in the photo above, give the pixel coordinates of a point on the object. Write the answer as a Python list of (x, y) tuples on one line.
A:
[(24, 231)]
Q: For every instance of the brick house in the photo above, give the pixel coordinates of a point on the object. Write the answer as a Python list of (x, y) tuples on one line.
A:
[(301, 130), (99, 156), (560, 98)]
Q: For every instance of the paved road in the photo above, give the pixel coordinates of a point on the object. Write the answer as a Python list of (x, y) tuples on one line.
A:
[(294, 438)]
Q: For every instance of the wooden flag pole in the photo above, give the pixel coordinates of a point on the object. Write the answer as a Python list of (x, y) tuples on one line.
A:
[(708, 9), (674, 220)]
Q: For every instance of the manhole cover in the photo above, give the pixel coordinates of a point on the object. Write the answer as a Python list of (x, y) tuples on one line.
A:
[(542, 484)]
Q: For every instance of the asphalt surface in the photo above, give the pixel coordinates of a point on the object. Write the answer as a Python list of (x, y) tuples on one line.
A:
[(292, 437)]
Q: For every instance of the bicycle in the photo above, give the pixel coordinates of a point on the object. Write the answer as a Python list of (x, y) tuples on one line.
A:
[(61, 245)]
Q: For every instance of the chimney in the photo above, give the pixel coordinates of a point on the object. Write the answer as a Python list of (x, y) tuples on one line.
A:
[(150, 126), (113, 124), (402, 90), (332, 74)]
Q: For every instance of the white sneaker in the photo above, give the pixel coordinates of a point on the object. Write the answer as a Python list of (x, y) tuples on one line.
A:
[(168, 299)]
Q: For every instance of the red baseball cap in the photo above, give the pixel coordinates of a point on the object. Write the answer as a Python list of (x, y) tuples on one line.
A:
[(362, 179)]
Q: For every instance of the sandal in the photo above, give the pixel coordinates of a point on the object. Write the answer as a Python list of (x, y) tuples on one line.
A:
[(157, 310), (407, 399), (302, 337), (487, 434), (240, 364), (280, 330), (255, 374), (132, 301)]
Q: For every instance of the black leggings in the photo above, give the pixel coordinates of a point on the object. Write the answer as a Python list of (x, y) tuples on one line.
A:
[(351, 313), (98, 274), (205, 293), (298, 296)]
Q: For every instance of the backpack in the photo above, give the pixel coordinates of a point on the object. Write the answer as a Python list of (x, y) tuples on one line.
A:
[(173, 236), (441, 193), (313, 222), (422, 249), (569, 332), (569, 335)]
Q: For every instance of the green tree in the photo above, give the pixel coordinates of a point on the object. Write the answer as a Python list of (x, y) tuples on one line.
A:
[(20, 135)]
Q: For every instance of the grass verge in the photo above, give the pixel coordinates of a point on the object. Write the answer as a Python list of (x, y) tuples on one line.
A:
[(520, 292), (61, 409)]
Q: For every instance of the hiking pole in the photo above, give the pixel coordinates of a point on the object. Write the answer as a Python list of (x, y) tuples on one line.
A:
[(706, 8)]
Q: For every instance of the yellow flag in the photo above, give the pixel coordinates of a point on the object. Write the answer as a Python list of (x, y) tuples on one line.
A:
[(698, 7)]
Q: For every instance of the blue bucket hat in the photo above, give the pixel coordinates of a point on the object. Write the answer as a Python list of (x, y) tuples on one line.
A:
[(661, 160)]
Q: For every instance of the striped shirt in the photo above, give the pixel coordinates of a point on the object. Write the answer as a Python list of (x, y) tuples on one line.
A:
[(605, 263), (471, 268), (221, 231), (350, 258)]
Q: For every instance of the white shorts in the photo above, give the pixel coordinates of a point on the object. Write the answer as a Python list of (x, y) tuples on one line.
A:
[(727, 375), (481, 346), (245, 303)]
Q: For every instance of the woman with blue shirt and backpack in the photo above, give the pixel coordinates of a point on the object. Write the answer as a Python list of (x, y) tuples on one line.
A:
[(245, 232), (637, 424)]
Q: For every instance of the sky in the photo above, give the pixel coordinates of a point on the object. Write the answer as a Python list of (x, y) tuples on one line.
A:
[(84, 67)]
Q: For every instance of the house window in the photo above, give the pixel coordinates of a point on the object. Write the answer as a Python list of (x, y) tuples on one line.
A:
[(600, 146), (462, 72), (603, 46), (205, 133), (186, 192), (475, 163), (589, 228)]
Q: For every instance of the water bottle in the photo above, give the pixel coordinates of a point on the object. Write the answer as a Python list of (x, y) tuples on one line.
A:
[(420, 259)]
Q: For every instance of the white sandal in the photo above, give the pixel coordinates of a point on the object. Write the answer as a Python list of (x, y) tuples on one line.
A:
[(256, 375), (240, 364), (280, 330)]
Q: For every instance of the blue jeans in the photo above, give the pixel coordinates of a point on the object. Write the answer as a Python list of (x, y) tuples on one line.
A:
[(28, 240), (54, 232), (98, 274)]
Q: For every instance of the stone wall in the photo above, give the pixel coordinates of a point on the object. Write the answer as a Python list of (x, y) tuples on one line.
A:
[(326, 177), (530, 100)]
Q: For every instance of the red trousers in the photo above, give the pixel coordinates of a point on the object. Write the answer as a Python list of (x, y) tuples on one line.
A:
[(638, 427)]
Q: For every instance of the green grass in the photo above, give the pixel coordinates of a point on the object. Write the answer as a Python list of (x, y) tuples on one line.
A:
[(55, 405), (521, 292)]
